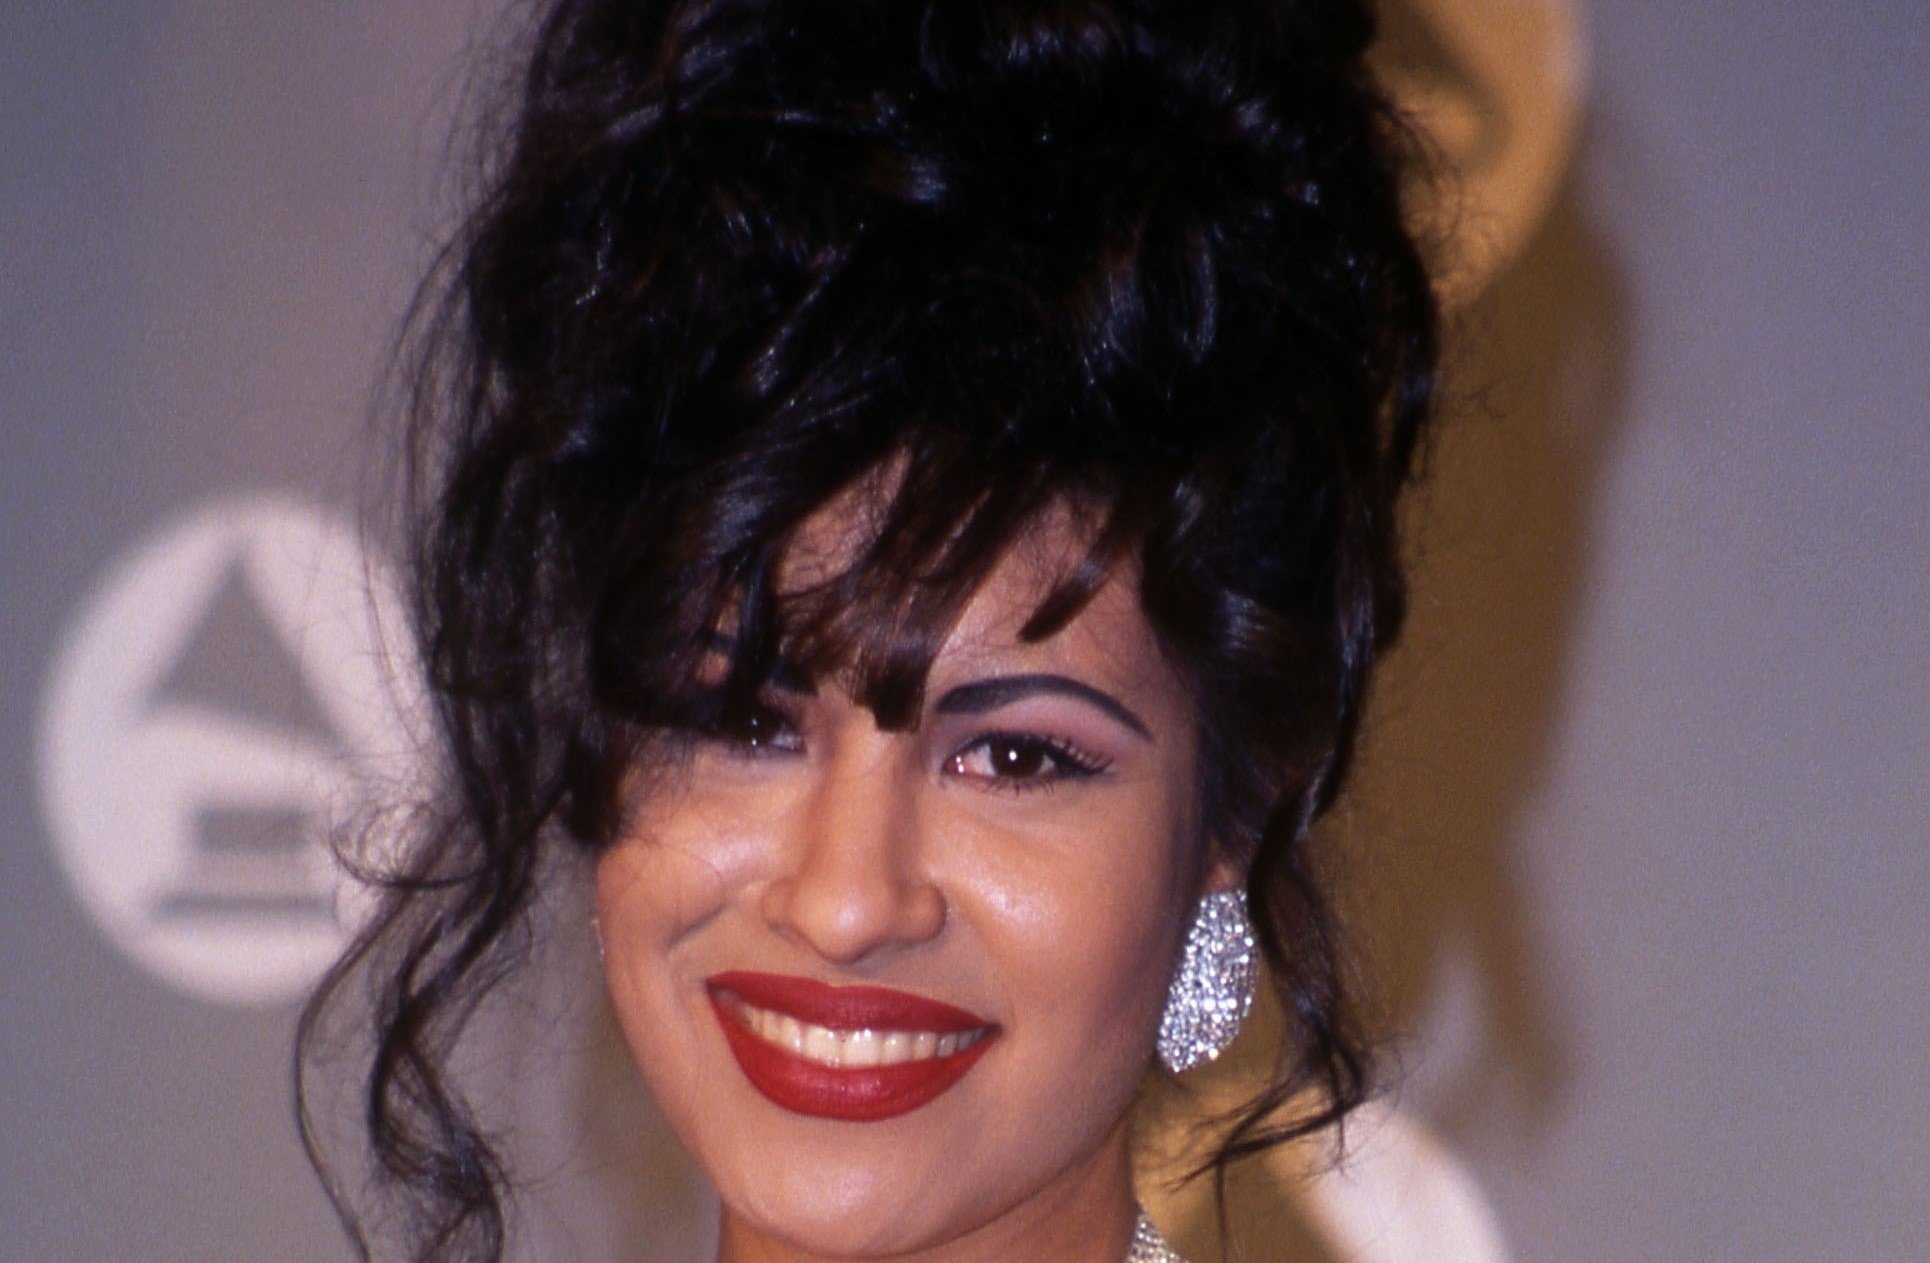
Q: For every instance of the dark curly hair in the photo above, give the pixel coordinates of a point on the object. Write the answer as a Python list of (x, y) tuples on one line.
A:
[(1145, 258)]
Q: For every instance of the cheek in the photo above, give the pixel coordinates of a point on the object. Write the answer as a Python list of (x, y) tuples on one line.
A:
[(1117, 948), (649, 891), (681, 857), (1086, 925), (646, 900), (674, 870)]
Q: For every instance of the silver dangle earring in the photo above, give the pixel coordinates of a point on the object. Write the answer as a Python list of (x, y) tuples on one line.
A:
[(1213, 988)]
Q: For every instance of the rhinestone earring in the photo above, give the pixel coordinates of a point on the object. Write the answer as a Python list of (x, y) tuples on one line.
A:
[(1213, 988)]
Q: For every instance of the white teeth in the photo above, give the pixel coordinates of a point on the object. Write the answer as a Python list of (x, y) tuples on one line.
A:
[(846, 1048), (821, 1046), (862, 1048)]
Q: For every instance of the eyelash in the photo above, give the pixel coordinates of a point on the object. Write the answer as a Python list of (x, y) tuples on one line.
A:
[(744, 735), (1070, 762)]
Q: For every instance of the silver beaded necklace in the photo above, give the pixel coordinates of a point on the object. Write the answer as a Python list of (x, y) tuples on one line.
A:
[(1148, 1246)]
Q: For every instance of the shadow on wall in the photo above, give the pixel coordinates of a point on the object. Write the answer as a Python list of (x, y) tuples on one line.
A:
[(1460, 738), (1472, 702)]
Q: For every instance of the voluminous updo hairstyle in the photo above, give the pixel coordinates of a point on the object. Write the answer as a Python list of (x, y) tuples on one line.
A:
[(1142, 259)]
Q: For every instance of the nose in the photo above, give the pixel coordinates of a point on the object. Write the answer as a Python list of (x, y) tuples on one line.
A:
[(855, 882)]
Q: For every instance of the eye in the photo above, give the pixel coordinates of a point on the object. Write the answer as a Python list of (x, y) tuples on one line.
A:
[(1022, 761), (754, 731)]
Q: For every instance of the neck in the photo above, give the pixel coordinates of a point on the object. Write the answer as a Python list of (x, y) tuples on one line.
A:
[(1086, 1215)]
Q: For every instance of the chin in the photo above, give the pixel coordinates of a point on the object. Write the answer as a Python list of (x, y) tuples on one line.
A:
[(847, 1209)]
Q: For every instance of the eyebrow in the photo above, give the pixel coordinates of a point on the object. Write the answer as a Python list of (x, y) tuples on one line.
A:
[(983, 696)]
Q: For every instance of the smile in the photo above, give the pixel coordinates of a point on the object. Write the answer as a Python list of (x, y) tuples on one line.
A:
[(827, 1047), (855, 1053)]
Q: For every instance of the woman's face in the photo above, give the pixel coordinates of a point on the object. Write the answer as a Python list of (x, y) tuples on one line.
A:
[(898, 988)]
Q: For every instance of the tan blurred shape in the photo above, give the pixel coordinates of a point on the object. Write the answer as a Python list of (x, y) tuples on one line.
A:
[(1496, 89), (1393, 1192)]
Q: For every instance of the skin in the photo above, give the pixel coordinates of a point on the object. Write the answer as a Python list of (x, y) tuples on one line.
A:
[(979, 872)]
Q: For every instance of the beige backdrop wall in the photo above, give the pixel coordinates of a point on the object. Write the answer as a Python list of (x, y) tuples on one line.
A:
[(1641, 836)]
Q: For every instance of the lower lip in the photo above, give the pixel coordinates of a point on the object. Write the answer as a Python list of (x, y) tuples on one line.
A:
[(854, 1094)]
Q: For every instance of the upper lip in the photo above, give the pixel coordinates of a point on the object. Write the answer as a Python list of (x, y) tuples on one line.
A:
[(845, 1007)]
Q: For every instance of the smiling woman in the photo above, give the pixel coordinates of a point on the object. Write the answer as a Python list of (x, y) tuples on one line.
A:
[(909, 491), (1016, 862)]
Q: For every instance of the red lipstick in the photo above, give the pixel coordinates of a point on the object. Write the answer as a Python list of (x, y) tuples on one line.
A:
[(791, 1077)]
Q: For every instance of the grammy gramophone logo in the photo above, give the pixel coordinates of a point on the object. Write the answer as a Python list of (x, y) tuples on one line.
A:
[(226, 694)]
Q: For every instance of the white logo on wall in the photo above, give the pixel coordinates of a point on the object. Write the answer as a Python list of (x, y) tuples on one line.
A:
[(217, 705)]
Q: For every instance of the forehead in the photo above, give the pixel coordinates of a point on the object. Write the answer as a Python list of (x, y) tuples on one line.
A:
[(1109, 637)]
